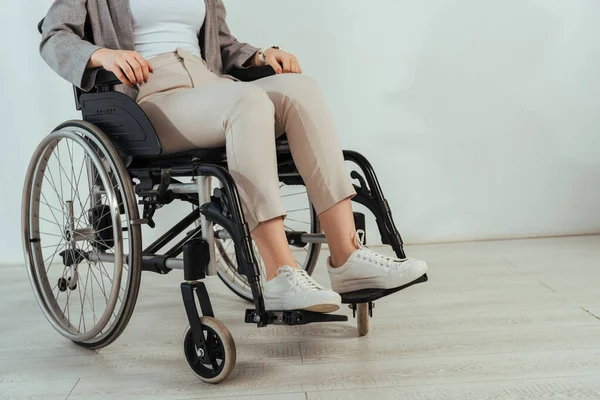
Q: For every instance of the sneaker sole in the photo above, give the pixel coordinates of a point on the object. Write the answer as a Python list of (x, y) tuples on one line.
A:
[(320, 308), (353, 286), (323, 308)]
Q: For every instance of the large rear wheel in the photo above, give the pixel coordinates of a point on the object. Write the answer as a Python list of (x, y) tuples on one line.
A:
[(301, 217), (82, 244)]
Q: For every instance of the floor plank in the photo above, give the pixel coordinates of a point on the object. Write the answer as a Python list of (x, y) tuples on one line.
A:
[(513, 319), (581, 388), (39, 390), (350, 376)]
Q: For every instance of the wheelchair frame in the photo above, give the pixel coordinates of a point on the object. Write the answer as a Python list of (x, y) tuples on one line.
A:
[(129, 130)]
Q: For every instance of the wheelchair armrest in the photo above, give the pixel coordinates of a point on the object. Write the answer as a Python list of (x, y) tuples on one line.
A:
[(252, 73), (106, 78)]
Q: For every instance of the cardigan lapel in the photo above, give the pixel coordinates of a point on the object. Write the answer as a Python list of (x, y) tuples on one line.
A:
[(207, 28), (120, 11)]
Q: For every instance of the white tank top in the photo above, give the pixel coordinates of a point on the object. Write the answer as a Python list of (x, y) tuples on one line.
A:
[(161, 26)]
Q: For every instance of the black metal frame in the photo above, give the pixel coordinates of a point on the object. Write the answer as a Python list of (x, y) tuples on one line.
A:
[(370, 195), (130, 130), (225, 210)]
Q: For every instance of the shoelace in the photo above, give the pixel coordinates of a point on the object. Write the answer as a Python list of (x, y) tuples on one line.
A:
[(364, 253), (303, 281)]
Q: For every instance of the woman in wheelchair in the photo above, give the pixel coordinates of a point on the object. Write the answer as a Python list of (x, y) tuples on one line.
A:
[(178, 54)]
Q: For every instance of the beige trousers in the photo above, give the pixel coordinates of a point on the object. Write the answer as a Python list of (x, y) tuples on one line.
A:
[(191, 107)]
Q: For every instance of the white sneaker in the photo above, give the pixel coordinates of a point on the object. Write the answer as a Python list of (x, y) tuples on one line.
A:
[(294, 289), (366, 269)]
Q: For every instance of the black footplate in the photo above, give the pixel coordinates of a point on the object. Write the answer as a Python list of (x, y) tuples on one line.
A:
[(294, 317), (369, 295)]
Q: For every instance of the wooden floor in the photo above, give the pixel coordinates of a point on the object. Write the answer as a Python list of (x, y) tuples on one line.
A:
[(497, 320)]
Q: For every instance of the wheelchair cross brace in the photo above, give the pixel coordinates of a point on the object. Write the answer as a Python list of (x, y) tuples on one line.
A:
[(224, 209)]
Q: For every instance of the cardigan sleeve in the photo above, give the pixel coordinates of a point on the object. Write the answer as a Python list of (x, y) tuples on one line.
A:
[(63, 46)]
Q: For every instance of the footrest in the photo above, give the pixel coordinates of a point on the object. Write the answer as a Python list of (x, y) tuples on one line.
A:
[(294, 317), (369, 295)]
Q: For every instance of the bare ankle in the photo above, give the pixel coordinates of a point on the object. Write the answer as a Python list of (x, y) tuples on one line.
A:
[(342, 253), (339, 259)]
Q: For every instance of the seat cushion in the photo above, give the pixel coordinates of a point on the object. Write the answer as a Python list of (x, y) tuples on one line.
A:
[(217, 155)]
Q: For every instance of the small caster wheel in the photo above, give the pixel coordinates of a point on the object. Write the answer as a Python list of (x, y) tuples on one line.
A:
[(218, 364), (362, 318), (72, 283), (62, 284)]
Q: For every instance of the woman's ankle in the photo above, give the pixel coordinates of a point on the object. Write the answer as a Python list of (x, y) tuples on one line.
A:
[(338, 259)]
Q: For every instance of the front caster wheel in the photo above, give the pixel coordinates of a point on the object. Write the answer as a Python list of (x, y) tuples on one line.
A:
[(214, 364), (362, 318)]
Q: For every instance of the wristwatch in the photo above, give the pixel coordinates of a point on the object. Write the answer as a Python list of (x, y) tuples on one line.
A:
[(261, 53)]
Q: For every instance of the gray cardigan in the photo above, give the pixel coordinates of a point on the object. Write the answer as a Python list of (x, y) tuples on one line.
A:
[(74, 29)]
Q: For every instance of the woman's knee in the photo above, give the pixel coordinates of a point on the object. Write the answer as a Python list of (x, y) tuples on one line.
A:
[(255, 101), (299, 87)]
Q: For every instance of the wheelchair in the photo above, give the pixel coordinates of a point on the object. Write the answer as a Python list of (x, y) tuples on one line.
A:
[(82, 237)]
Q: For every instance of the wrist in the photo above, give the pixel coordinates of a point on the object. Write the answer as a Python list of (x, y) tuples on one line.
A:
[(98, 57), (268, 51), (263, 53)]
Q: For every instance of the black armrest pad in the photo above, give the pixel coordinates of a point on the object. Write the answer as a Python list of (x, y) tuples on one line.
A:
[(105, 77), (252, 73)]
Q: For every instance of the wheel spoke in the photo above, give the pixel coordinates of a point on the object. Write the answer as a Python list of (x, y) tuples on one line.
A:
[(297, 210), (57, 148), (55, 190), (67, 305), (81, 300), (293, 194), (64, 172), (51, 207), (79, 180), (92, 290), (45, 202), (51, 234), (102, 288), (50, 222), (53, 255)]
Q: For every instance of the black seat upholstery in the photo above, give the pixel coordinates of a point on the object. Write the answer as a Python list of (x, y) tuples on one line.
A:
[(216, 155)]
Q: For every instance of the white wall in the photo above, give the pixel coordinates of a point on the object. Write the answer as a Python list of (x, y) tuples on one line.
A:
[(481, 117)]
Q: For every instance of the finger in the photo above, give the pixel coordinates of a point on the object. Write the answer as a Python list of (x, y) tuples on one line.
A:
[(275, 64), (126, 68), (142, 59), (137, 70), (145, 68), (287, 64), (296, 67), (121, 76)]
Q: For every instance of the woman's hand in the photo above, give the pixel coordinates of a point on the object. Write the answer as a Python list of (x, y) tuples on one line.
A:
[(128, 66), (281, 61)]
